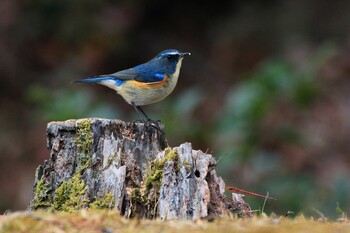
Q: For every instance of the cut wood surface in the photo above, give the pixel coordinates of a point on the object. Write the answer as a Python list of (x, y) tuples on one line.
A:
[(104, 163)]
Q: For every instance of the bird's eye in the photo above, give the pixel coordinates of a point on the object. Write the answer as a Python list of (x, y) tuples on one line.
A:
[(169, 57)]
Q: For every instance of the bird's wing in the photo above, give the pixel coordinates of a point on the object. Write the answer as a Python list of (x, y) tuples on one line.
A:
[(124, 75), (140, 74)]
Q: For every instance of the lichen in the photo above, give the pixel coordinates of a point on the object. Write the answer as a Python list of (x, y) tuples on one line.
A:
[(70, 195), (107, 202), (84, 139), (42, 198)]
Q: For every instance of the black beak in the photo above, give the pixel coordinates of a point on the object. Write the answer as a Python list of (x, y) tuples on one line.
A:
[(185, 54)]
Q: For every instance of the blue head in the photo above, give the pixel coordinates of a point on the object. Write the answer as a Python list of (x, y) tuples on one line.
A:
[(167, 61)]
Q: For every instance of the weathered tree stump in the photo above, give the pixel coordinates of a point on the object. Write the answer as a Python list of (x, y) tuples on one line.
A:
[(103, 163)]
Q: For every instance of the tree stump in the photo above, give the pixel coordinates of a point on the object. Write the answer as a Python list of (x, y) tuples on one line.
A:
[(104, 163)]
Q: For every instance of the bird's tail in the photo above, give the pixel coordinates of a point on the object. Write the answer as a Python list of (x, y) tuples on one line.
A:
[(106, 80), (94, 79)]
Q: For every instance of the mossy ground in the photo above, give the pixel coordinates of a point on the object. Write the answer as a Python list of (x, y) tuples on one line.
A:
[(91, 221)]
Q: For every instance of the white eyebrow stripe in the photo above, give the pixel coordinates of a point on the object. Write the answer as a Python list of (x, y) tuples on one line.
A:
[(171, 53)]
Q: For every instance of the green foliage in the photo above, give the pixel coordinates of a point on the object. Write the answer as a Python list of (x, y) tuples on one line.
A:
[(338, 210), (177, 114), (274, 85), (63, 104), (253, 100), (259, 118)]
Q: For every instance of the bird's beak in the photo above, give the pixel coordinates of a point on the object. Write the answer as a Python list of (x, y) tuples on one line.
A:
[(185, 54)]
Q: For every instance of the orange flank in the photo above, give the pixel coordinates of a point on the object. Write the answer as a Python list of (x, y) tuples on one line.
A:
[(234, 189), (154, 85)]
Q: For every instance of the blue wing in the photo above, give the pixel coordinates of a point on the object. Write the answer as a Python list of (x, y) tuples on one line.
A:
[(141, 73)]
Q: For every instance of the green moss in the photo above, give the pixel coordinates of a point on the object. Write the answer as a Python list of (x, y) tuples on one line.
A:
[(136, 196), (70, 195), (110, 159), (107, 202), (147, 195), (42, 198), (154, 171), (84, 139), (83, 166), (187, 165)]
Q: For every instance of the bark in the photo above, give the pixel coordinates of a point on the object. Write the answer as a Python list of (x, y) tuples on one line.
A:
[(103, 163)]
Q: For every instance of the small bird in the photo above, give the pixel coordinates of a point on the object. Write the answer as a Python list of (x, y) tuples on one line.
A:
[(147, 83)]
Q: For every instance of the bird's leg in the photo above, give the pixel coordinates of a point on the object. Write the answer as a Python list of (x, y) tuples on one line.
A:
[(142, 115), (144, 118), (148, 119)]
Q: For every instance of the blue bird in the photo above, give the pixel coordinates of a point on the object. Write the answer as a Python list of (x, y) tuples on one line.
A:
[(147, 83)]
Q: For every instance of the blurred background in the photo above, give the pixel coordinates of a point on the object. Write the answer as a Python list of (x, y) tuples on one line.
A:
[(266, 90)]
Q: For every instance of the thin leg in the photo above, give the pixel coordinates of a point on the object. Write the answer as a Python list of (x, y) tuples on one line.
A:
[(143, 112), (143, 116), (145, 119)]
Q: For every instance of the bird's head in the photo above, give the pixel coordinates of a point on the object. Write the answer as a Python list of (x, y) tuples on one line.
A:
[(169, 59)]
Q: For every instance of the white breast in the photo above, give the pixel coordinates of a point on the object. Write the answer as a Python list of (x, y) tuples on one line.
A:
[(178, 67), (173, 80)]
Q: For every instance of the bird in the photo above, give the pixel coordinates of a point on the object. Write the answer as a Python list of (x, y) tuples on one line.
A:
[(146, 83)]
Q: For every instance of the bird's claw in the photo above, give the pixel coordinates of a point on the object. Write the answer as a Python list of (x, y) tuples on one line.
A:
[(149, 123), (153, 124)]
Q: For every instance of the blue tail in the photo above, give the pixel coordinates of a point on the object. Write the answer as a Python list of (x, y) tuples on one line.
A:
[(100, 79), (93, 80)]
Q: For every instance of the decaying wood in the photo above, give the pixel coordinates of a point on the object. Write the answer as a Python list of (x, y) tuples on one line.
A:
[(103, 163)]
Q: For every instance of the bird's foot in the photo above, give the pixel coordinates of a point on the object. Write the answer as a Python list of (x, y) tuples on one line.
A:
[(153, 124), (149, 123), (139, 121)]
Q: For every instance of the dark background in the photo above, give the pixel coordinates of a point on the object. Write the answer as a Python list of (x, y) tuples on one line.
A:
[(266, 90)]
